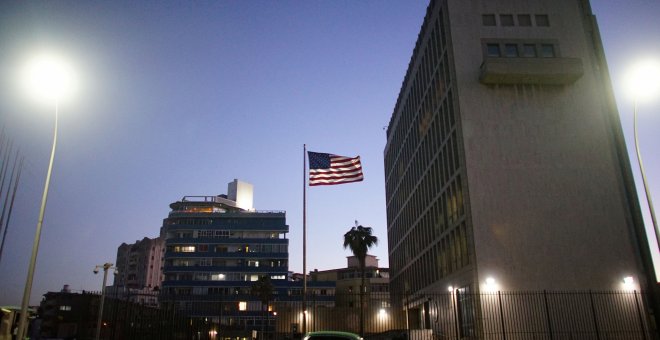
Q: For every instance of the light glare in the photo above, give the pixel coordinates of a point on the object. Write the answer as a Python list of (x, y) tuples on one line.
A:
[(643, 80), (49, 78), (491, 285), (628, 283)]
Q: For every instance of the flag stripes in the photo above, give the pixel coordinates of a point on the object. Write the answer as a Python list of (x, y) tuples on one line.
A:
[(329, 169)]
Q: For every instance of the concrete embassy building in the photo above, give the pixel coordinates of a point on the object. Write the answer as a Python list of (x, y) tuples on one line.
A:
[(505, 164)]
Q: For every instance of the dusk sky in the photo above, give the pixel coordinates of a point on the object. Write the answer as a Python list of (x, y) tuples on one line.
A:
[(180, 98)]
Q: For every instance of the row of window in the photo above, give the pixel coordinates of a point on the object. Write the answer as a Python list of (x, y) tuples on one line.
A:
[(424, 190), (221, 233), (206, 276), (216, 262), (428, 176), (228, 291), (437, 221), (428, 85), (508, 20), (445, 257), (524, 50), (224, 248)]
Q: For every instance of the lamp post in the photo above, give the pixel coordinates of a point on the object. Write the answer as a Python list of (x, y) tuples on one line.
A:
[(641, 169), (106, 266), (50, 79), (643, 83)]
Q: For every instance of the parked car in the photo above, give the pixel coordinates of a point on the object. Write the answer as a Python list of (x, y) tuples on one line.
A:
[(332, 335)]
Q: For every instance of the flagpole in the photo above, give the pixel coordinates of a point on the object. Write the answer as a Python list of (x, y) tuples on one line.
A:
[(304, 316)]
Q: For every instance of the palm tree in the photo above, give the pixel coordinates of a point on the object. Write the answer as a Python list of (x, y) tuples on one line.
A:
[(263, 289), (359, 240)]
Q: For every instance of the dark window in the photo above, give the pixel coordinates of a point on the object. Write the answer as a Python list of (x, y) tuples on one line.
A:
[(529, 51), (506, 20), (524, 20), (511, 50), (542, 20), (547, 51), (493, 50), (488, 19)]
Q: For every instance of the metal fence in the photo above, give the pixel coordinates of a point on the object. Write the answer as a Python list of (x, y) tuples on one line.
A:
[(447, 315)]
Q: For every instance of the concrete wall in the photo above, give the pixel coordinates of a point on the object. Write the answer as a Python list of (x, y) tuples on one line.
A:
[(545, 189)]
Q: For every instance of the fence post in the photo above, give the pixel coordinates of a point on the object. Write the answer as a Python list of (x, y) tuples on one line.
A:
[(456, 313), (547, 313), (593, 312), (499, 298), (639, 315)]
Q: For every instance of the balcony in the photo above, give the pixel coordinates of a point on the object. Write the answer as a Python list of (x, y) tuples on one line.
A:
[(539, 71)]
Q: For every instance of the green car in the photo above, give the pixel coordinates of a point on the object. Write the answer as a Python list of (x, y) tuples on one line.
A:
[(332, 335)]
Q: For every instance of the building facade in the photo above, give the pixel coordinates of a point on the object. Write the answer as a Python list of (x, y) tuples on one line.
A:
[(216, 249), (140, 265), (505, 163), (348, 281)]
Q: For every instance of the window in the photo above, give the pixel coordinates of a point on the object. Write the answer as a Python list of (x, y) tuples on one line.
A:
[(547, 51), (506, 20), (242, 306), (493, 50), (65, 308), (221, 233), (511, 50), (529, 51), (488, 19), (542, 20), (524, 20), (203, 247), (184, 249), (218, 277)]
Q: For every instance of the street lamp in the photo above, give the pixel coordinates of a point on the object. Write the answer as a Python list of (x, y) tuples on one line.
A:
[(643, 84), (106, 266), (48, 78)]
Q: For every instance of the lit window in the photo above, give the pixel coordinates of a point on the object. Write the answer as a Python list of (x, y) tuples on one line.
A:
[(542, 20), (65, 308), (529, 51), (524, 20), (184, 249), (547, 51), (218, 277), (506, 19), (242, 306), (493, 50), (488, 19), (511, 50)]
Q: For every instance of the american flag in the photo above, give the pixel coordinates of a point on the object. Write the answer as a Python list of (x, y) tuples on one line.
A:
[(329, 169)]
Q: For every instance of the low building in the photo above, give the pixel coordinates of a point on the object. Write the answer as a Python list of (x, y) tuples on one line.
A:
[(348, 281)]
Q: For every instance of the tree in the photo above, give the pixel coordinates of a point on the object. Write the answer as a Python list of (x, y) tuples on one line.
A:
[(263, 289), (359, 239)]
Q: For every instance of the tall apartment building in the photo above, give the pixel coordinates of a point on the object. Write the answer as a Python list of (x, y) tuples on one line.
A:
[(140, 265), (216, 248), (505, 163)]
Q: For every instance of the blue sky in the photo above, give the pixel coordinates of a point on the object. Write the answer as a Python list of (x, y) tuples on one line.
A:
[(180, 98)]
